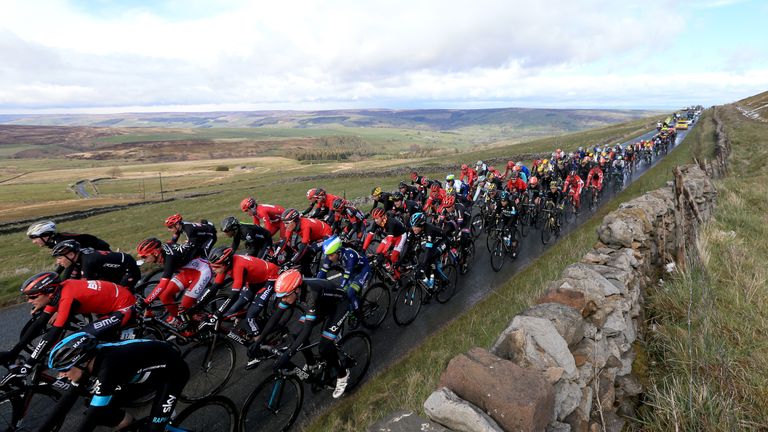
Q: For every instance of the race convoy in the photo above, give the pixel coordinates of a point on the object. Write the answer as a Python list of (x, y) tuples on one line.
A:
[(316, 281)]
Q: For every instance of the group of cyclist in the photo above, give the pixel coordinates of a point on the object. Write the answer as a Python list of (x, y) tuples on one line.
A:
[(286, 254)]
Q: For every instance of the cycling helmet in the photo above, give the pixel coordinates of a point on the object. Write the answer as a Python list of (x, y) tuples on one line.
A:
[(64, 247), (510, 164), (450, 200), (291, 215), (221, 255), (320, 193), (229, 224), (378, 212), (450, 177), (331, 245), (464, 167), (149, 246), (41, 283), (434, 188), (287, 283), (173, 220), (311, 193), (553, 185), (619, 158), (397, 196), (39, 229), (414, 175), (424, 181), (376, 191), (533, 181), (572, 173), (248, 204), (545, 162), (491, 169), (418, 219), (338, 204), (491, 186), (402, 185), (479, 163), (72, 350), (504, 196)]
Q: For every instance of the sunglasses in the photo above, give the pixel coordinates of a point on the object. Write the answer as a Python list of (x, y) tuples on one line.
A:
[(33, 296), (32, 237)]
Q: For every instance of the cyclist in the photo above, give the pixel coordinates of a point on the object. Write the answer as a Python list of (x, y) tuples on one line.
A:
[(324, 203), (90, 264), (436, 197), (506, 213), (256, 275), (461, 189), (573, 186), (395, 237), (112, 368), (515, 183), (433, 240), (200, 236), (409, 192), (469, 173), (325, 305), (44, 234), (48, 295), (269, 214), (349, 220), (595, 177), (404, 208), (181, 271), (355, 269), (304, 235), (258, 240), (481, 168), (385, 198)]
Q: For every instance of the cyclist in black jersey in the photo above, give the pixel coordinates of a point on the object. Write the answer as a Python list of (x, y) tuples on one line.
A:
[(44, 234), (91, 264), (325, 304), (383, 198), (433, 241), (404, 208), (257, 239), (200, 236), (409, 192), (112, 368)]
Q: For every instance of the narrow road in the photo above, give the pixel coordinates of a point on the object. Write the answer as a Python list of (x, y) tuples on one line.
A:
[(390, 341)]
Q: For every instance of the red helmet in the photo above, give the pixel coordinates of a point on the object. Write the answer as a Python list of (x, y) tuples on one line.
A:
[(450, 200), (288, 282), (414, 175), (319, 193), (533, 181), (41, 283), (510, 164), (464, 167), (149, 246), (435, 187), (173, 220), (290, 215), (311, 193), (424, 181), (378, 212), (221, 256), (491, 169), (248, 204)]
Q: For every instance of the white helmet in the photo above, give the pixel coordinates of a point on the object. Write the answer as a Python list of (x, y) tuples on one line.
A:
[(479, 163), (40, 228)]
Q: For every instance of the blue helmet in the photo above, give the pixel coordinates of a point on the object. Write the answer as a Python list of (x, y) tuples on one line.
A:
[(418, 219), (72, 350)]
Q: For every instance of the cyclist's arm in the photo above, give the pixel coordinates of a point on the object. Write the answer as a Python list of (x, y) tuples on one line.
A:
[(35, 329), (58, 414), (236, 241), (277, 315), (164, 279), (101, 411), (308, 323)]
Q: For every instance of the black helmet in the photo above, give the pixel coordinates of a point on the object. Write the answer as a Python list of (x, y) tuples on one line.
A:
[(402, 185), (338, 204), (72, 350), (290, 215), (64, 247), (41, 283), (397, 196), (230, 223), (221, 255)]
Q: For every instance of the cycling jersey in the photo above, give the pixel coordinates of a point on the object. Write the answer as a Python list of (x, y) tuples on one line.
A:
[(470, 174), (117, 267), (516, 185), (433, 241), (84, 240), (200, 237), (595, 178), (405, 210), (271, 215), (117, 368), (385, 198), (257, 239), (355, 273), (257, 274), (396, 236)]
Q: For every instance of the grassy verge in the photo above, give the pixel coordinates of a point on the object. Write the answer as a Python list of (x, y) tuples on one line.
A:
[(715, 378), (407, 383)]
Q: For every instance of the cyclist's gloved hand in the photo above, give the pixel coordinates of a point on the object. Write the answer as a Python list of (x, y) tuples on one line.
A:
[(282, 361), (379, 259), (141, 305)]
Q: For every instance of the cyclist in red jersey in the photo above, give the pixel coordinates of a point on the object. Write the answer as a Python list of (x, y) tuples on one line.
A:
[(48, 295), (516, 184), (469, 173), (595, 177), (436, 197), (304, 236), (321, 204), (573, 186), (255, 275), (268, 213), (180, 272), (396, 236)]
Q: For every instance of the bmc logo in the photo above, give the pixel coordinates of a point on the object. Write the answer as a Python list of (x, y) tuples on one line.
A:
[(94, 285), (105, 322)]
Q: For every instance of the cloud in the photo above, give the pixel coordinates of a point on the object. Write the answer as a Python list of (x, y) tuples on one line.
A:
[(318, 52)]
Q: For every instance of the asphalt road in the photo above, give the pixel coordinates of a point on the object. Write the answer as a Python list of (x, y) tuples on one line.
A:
[(390, 341)]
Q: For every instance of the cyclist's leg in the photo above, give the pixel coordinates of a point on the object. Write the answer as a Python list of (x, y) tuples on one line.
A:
[(199, 276), (108, 327), (167, 396), (328, 338), (256, 306)]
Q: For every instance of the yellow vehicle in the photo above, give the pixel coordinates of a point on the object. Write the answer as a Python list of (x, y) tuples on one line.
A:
[(681, 124)]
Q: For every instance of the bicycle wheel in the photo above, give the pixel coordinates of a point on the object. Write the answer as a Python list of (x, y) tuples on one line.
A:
[(447, 289), (375, 305), (407, 304), (491, 238), (215, 413), (41, 400), (477, 225), (469, 258), (210, 368), (355, 354), (497, 255), (525, 224), (273, 405), (546, 230)]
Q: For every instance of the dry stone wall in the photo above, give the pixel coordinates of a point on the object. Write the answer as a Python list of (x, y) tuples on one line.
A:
[(565, 364)]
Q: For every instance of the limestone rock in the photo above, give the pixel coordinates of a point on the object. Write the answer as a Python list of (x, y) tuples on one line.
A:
[(579, 418), (567, 398), (558, 427), (444, 407), (516, 398), (592, 281), (405, 421), (567, 320), (622, 227)]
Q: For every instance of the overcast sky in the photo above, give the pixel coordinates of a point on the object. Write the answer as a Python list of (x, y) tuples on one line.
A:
[(195, 55)]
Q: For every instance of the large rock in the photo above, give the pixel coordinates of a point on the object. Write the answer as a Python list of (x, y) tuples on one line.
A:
[(517, 399), (535, 342), (567, 320), (625, 227), (567, 398), (444, 407), (405, 421), (579, 418), (592, 282)]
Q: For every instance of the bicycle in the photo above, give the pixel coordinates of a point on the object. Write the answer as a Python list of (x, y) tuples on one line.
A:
[(551, 228), (505, 245), (594, 198), (410, 297), (19, 397), (275, 403), (216, 413)]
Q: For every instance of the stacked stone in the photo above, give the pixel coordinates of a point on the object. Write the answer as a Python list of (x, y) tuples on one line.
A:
[(565, 364)]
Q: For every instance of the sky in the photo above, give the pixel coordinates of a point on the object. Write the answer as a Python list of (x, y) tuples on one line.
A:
[(107, 56)]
